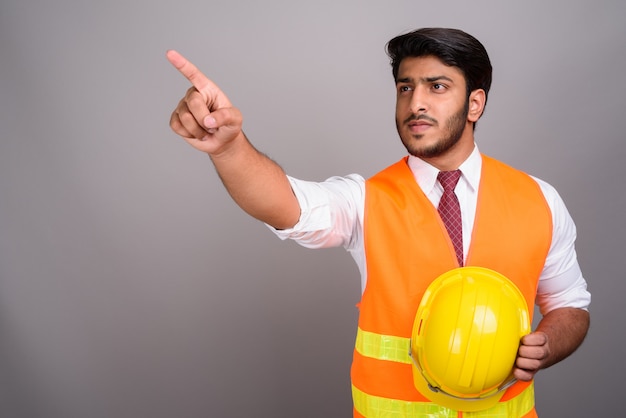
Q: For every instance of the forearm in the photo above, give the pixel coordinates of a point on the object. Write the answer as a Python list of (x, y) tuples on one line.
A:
[(207, 120), (257, 184), (565, 329)]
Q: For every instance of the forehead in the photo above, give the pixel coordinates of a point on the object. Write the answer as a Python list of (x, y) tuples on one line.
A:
[(428, 67)]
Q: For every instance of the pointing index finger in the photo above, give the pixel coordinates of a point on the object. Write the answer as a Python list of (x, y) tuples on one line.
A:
[(190, 71)]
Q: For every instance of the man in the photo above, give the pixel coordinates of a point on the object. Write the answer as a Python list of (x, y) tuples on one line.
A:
[(510, 222)]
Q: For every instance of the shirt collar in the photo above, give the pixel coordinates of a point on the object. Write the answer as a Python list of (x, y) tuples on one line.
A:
[(426, 174)]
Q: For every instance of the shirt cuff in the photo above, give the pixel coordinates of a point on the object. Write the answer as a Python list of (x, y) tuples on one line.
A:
[(567, 290)]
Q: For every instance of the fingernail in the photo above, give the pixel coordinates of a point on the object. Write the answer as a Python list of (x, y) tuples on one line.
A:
[(210, 122)]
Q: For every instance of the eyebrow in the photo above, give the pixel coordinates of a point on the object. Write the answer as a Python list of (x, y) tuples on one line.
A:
[(426, 79)]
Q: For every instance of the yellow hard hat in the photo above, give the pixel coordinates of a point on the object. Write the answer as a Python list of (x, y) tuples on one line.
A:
[(465, 338)]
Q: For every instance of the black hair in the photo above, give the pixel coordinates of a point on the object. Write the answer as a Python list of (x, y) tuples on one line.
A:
[(453, 47)]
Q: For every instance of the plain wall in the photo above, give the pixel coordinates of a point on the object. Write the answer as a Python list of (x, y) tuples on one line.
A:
[(131, 285)]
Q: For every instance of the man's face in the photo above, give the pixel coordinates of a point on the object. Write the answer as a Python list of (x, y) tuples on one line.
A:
[(431, 107)]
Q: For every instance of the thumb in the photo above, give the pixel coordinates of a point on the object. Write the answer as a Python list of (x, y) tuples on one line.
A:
[(224, 117)]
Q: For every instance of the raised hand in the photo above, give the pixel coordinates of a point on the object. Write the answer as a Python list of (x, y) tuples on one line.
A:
[(209, 122), (204, 117)]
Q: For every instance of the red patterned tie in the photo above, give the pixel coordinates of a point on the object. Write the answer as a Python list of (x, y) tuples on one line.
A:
[(450, 211)]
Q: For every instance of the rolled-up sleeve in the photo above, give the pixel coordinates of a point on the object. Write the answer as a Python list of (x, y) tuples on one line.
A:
[(561, 283), (330, 212)]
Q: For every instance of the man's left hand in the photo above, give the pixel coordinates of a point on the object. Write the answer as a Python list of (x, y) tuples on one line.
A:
[(533, 352)]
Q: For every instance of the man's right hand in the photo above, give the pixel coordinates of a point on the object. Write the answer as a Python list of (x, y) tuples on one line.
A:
[(205, 118), (209, 122)]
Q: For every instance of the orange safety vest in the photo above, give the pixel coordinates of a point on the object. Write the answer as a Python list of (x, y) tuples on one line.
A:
[(406, 248)]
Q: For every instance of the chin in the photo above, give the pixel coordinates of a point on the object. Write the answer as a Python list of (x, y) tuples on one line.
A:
[(417, 147)]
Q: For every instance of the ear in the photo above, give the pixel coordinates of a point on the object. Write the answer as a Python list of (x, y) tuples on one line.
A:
[(477, 101)]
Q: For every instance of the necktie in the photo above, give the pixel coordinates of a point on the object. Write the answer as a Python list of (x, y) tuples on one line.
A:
[(450, 211)]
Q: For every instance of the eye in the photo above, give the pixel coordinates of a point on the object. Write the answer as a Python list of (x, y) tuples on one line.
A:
[(404, 89), (439, 87)]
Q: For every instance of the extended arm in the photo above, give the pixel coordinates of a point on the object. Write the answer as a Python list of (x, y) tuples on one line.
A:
[(559, 334), (206, 119)]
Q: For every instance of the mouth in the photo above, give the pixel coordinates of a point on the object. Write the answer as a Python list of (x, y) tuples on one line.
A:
[(419, 126)]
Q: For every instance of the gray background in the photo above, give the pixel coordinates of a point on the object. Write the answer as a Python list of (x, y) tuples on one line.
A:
[(130, 284)]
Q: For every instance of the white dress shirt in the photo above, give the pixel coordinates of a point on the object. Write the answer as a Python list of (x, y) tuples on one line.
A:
[(332, 216)]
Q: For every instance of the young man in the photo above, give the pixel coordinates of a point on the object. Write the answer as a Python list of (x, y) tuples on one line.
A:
[(510, 222)]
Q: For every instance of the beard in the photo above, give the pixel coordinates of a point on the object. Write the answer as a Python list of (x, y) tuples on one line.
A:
[(455, 126)]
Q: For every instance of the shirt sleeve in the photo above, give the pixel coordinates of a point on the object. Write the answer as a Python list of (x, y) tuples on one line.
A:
[(330, 212), (561, 283)]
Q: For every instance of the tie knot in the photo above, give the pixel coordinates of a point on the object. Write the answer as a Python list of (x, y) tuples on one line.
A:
[(449, 179)]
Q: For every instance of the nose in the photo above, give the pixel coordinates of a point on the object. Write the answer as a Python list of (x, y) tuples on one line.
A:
[(418, 103)]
